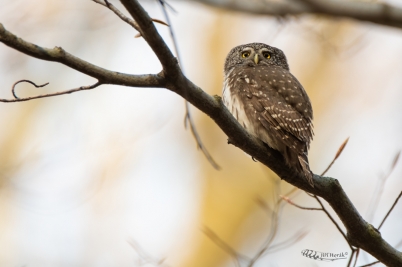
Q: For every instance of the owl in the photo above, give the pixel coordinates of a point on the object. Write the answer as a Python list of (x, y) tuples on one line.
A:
[(269, 102)]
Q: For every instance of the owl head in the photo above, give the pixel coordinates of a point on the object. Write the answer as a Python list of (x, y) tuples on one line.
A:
[(254, 54)]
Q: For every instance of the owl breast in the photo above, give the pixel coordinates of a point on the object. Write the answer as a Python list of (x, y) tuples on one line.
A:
[(243, 109)]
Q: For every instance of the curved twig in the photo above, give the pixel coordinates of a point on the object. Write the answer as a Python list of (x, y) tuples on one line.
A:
[(26, 81), (17, 99)]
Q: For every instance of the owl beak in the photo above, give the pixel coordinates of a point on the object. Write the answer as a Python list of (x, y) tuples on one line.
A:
[(256, 58)]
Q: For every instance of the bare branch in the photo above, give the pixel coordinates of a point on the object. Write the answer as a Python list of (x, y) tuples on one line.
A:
[(286, 243), (109, 5), (354, 252), (126, 19), (359, 232), (59, 55), (298, 206), (333, 221), (390, 210), (27, 81), (370, 264), (187, 118), (155, 41), (224, 246), (17, 99), (369, 11), (380, 188), (144, 256)]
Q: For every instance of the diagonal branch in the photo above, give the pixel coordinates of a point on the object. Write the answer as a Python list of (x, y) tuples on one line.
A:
[(390, 210), (359, 233)]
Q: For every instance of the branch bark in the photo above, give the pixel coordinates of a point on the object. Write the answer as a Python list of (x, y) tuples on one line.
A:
[(375, 12), (359, 232), (59, 55)]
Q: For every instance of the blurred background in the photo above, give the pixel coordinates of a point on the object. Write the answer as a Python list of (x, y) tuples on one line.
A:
[(110, 177)]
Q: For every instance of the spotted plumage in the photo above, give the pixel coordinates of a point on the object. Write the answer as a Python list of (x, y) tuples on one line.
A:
[(269, 102)]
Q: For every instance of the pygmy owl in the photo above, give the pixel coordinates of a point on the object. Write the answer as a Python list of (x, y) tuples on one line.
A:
[(269, 102)]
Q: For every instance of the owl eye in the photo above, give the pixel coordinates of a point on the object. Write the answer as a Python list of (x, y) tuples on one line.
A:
[(245, 54), (266, 55)]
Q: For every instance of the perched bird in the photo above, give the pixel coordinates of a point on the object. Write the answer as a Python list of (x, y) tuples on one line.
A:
[(269, 102)]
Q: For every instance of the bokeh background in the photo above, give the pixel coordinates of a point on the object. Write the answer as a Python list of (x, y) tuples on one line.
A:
[(110, 177)]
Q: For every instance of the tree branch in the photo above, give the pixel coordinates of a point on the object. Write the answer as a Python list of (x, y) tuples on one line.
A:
[(375, 12), (18, 99), (359, 232), (59, 55)]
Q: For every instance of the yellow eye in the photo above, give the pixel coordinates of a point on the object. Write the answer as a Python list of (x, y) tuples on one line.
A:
[(266, 55), (245, 54)]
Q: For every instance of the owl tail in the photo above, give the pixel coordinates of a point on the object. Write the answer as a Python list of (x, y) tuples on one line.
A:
[(306, 168)]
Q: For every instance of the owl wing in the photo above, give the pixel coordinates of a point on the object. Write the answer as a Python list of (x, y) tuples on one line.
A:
[(283, 106)]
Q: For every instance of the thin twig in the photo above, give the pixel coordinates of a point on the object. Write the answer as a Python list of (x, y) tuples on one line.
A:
[(274, 227), (370, 264), (27, 81), (187, 118), (286, 243), (351, 258), (390, 210), (380, 188), (356, 252), (298, 206), (126, 19), (357, 255), (17, 99), (338, 153), (223, 245), (144, 256), (332, 219)]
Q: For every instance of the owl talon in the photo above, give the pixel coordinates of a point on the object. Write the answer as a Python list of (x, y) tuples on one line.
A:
[(229, 141), (254, 159)]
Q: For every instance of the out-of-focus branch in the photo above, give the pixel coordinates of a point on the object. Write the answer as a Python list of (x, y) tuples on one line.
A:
[(188, 119), (338, 153), (237, 257), (379, 190), (390, 210), (359, 232), (375, 12), (145, 259), (126, 19)]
